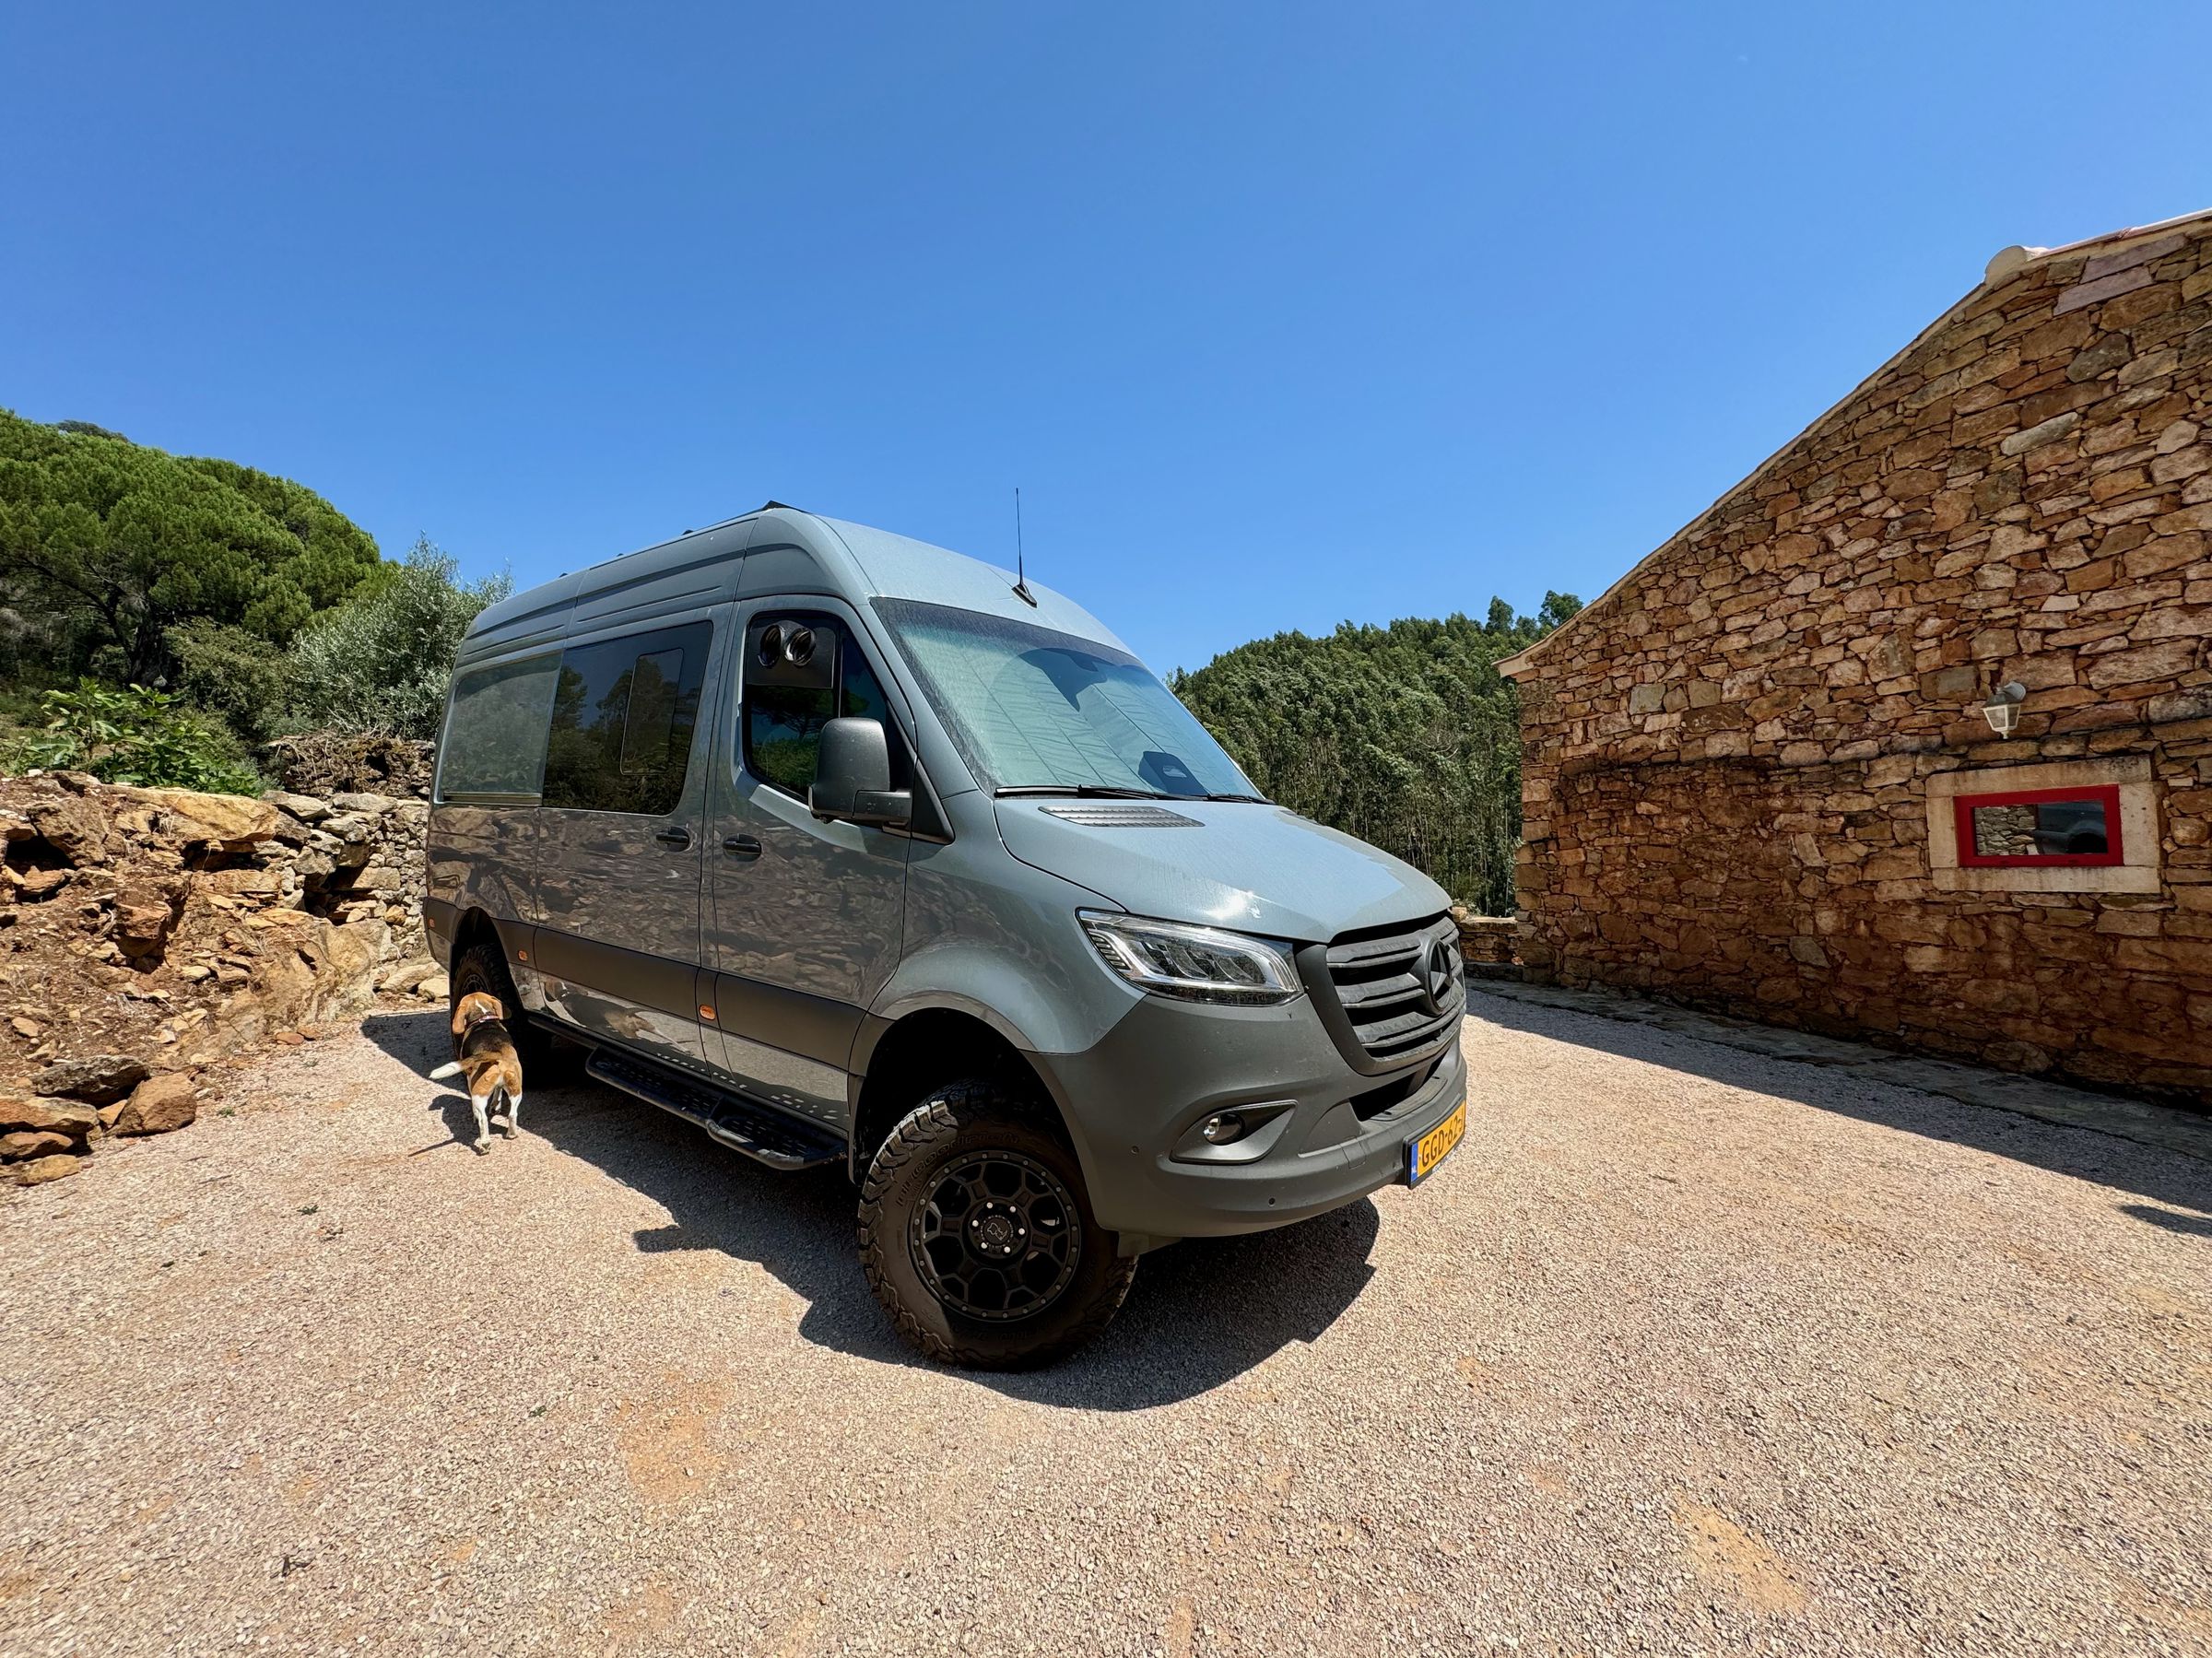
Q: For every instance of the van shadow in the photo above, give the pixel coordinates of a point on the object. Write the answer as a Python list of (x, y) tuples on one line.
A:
[(2180, 1182), (1201, 1314)]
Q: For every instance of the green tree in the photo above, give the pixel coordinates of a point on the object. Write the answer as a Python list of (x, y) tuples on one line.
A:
[(382, 660), (1406, 735), (108, 546)]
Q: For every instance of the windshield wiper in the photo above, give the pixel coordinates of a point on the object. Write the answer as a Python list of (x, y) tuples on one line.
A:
[(1257, 800), (1085, 791)]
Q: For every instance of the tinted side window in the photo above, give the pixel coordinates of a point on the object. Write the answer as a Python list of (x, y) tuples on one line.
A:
[(787, 704), (495, 736), (623, 713)]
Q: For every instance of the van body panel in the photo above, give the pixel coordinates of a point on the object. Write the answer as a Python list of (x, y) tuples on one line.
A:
[(1247, 866), (801, 914), (784, 1046), (618, 892), (896, 566), (985, 931), (783, 566), (817, 908), (484, 857), (536, 615), (1142, 1079)]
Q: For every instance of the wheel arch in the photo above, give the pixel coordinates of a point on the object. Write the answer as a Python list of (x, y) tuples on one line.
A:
[(897, 1060)]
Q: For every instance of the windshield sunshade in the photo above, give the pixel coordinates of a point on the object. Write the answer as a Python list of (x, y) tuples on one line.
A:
[(1032, 709)]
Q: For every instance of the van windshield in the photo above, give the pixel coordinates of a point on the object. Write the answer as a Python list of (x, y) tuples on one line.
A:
[(1033, 710)]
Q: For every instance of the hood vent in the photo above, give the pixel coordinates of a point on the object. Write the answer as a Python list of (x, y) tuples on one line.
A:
[(1113, 813)]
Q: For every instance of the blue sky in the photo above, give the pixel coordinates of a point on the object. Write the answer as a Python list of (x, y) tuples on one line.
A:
[(1278, 315)]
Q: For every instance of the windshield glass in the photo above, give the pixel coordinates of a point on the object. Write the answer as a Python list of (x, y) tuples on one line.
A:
[(1031, 708)]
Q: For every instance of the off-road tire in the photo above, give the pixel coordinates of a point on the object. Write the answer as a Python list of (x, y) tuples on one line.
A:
[(483, 967), (954, 1123)]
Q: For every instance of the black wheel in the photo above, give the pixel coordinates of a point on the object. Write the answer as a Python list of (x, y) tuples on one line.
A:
[(483, 968), (977, 1236)]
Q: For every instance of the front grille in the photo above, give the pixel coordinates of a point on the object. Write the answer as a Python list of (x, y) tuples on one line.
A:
[(1383, 982)]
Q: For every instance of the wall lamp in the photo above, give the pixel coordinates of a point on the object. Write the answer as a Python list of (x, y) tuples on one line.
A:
[(2002, 708)]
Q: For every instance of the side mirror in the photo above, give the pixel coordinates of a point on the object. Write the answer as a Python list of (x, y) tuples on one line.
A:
[(852, 776)]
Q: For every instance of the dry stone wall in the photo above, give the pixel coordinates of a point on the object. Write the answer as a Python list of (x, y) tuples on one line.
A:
[(145, 932), (1728, 756)]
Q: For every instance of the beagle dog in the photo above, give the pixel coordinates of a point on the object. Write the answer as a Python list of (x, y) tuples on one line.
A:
[(489, 1060)]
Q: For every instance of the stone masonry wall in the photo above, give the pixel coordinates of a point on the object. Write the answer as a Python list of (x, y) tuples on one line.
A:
[(1727, 757), (174, 927)]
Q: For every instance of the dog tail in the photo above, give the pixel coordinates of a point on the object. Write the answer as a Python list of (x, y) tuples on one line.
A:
[(442, 1072)]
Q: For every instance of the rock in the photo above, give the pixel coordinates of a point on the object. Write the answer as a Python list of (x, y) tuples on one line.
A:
[(244, 883), (141, 928), (159, 1104), (24, 1029), (32, 1143), (94, 1079), (305, 807), (436, 988), (37, 1171), (35, 884), (21, 1115), (231, 821), (407, 976), (375, 806), (74, 826), (2048, 432)]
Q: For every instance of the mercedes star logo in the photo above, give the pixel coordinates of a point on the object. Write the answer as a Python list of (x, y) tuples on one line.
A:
[(1437, 976)]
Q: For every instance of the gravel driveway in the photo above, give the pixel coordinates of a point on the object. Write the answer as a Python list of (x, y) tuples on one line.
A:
[(1687, 1349)]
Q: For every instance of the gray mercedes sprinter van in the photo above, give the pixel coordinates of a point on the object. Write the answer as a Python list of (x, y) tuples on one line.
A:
[(851, 849)]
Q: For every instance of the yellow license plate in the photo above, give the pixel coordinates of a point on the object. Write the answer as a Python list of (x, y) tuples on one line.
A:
[(1423, 1155)]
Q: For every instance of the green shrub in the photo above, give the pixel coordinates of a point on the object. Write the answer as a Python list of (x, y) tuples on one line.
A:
[(134, 735), (380, 662), (228, 672)]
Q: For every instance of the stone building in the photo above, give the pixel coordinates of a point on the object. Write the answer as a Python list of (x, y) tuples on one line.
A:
[(1763, 771)]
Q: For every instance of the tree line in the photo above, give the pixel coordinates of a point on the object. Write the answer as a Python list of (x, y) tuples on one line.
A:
[(1405, 736), (162, 615)]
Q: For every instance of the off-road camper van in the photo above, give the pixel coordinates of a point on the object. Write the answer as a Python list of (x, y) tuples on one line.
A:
[(852, 850)]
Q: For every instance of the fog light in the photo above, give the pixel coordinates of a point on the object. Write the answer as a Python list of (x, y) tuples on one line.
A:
[(1222, 1128)]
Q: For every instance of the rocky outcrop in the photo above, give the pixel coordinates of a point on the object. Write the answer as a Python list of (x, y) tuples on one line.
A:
[(145, 931)]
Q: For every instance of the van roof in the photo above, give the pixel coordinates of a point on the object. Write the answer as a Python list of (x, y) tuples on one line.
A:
[(836, 557)]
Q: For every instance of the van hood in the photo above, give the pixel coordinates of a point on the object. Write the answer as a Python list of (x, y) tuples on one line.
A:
[(1253, 868)]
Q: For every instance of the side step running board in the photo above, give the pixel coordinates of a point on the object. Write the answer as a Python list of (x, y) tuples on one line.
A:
[(765, 1136)]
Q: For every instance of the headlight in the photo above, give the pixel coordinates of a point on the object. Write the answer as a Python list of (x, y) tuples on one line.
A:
[(1195, 964)]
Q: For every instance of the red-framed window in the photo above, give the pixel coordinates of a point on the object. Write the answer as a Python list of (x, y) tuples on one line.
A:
[(2039, 828)]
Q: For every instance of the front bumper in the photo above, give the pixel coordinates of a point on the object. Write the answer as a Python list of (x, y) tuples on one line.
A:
[(1330, 1135)]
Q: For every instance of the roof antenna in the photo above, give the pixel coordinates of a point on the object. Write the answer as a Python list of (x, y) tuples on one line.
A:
[(1021, 577)]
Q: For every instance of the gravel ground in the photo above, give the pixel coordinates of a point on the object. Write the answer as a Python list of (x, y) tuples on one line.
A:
[(1687, 1349)]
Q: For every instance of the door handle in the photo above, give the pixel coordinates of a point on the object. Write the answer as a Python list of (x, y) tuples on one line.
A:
[(742, 847), (674, 835)]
